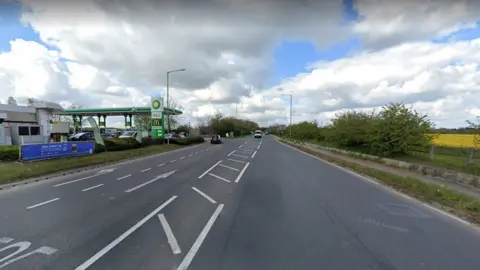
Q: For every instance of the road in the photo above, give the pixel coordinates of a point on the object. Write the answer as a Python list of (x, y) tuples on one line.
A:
[(245, 204)]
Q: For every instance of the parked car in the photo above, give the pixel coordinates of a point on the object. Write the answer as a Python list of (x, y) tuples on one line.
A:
[(216, 139), (128, 134), (108, 136), (82, 136)]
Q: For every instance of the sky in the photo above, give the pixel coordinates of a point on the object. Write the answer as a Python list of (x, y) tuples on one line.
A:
[(332, 55)]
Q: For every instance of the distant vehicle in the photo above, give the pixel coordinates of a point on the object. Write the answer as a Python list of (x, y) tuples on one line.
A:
[(258, 134), (216, 139), (82, 136), (108, 136), (128, 134)]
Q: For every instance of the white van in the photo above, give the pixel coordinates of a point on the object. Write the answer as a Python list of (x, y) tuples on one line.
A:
[(258, 134)]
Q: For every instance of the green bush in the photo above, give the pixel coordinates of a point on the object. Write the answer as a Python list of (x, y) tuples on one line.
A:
[(9, 153), (152, 141)]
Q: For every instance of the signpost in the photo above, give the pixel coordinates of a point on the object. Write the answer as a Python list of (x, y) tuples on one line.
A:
[(157, 117)]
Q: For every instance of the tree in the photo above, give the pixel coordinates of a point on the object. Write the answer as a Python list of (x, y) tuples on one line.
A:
[(171, 120), (30, 102), (11, 101)]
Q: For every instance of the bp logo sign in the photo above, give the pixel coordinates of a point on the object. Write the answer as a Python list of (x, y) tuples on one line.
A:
[(156, 104)]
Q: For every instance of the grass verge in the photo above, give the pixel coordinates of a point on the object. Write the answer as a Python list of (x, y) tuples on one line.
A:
[(16, 171), (459, 204)]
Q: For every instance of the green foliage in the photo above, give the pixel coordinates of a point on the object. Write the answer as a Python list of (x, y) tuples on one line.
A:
[(218, 124), (9, 153), (394, 130)]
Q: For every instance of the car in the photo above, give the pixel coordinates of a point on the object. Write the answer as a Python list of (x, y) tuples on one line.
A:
[(216, 139), (258, 134), (82, 136)]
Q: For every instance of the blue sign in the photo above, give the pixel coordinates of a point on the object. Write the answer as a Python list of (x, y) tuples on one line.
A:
[(56, 150)]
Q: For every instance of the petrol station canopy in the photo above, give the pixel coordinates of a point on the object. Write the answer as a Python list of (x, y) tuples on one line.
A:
[(121, 111)]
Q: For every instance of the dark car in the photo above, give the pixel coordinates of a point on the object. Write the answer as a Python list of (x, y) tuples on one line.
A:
[(82, 136), (216, 139)]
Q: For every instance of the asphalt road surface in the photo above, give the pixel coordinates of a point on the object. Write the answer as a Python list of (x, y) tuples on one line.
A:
[(246, 204)]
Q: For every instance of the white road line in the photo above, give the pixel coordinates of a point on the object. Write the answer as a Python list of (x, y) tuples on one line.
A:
[(147, 169), (247, 150), (122, 237), (196, 153), (43, 203), (182, 157), (254, 153), (6, 240), (76, 180), (142, 185), (211, 168), (258, 147), (246, 142), (231, 168), (240, 146), (242, 172), (123, 177), (204, 195), (171, 161), (168, 231), (239, 156), (160, 165), (219, 177), (231, 153), (90, 188), (237, 160), (190, 155), (196, 246)]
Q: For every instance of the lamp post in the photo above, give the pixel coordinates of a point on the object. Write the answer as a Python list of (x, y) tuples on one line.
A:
[(168, 100), (291, 98)]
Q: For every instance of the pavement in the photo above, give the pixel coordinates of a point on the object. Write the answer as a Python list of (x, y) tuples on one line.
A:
[(245, 204)]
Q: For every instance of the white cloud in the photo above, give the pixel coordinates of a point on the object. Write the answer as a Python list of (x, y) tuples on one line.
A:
[(113, 53)]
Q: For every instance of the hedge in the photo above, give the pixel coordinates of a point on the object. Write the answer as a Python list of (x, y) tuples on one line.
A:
[(11, 152)]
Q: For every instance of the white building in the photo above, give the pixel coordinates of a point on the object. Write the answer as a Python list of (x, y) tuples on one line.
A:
[(30, 123)]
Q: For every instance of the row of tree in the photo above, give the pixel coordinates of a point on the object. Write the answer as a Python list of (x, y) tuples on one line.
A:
[(391, 131), (219, 124)]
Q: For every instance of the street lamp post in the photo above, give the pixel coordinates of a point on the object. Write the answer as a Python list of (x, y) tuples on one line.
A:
[(291, 98), (168, 100)]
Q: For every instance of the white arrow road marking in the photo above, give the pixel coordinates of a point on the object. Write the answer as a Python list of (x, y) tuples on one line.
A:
[(198, 243), (5, 240), (165, 175), (122, 237), (90, 188), (171, 238)]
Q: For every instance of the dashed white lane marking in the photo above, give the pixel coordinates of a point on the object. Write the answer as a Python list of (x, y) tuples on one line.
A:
[(168, 231), (43, 203), (162, 176), (237, 161), (90, 188), (76, 180), (123, 177), (242, 172), (246, 142), (196, 246), (196, 153), (231, 168), (122, 237), (239, 156), (231, 153), (182, 157), (240, 146), (190, 155), (211, 168), (204, 195), (160, 165), (145, 170), (171, 161), (258, 147), (219, 177), (254, 153)]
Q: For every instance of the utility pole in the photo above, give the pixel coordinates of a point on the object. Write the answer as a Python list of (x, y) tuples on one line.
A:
[(168, 101)]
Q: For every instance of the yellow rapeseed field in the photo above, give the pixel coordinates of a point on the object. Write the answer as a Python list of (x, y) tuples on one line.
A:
[(456, 140)]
